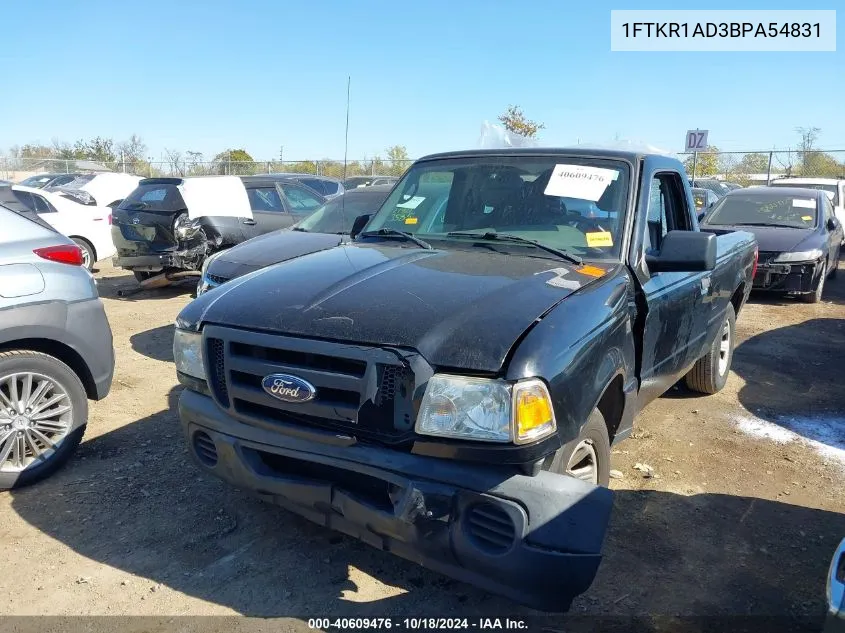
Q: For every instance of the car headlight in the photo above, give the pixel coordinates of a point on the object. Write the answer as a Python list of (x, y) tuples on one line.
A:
[(486, 410), (801, 256), (187, 353)]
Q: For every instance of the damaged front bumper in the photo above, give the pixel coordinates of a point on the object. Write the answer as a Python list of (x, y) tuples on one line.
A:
[(789, 278), (534, 539)]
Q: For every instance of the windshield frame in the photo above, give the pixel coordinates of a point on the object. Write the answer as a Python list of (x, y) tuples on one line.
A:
[(626, 167)]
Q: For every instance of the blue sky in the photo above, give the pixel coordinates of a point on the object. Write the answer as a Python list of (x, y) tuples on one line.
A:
[(208, 75)]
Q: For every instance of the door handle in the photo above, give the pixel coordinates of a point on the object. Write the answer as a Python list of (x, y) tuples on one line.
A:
[(250, 222)]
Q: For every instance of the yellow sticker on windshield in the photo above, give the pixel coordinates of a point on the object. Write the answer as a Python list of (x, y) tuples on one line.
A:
[(410, 220), (600, 238), (807, 218)]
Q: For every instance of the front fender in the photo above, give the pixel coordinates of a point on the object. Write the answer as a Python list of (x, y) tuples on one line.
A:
[(580, 348)]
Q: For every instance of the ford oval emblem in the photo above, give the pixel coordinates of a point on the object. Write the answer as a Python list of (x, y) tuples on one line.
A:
[(288, 388)]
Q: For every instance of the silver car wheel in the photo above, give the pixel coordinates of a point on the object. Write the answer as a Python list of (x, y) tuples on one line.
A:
[(583, 463), (725, 348), (36, 416)]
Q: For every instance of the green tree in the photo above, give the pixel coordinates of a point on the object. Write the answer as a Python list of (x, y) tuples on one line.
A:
[(753, 164), (706, 162), (234, 161), (97, 149), (514, 121)]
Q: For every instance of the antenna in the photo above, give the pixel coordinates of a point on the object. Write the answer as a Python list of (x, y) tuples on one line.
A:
[(345, 150)]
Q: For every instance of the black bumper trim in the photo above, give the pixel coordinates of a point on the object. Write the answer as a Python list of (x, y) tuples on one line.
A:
[(558, 522)]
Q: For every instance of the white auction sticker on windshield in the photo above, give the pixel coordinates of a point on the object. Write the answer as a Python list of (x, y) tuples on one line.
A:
[(580, 181), (413, 203), (803, 203)]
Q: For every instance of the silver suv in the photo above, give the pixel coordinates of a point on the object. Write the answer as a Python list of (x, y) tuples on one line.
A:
[(55, 346)]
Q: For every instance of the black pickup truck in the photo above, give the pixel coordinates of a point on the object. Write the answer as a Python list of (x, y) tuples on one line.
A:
[(447, 386)]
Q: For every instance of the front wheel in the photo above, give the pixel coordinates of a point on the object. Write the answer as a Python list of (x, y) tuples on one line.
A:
[(816, 295), (710, 372), (43, 412), (587, 457)]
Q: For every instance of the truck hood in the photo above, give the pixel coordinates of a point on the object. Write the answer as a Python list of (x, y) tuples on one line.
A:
[(461, 308), (269, 249)]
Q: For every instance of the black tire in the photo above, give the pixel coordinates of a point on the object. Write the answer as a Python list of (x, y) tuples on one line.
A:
[(28, 361), (816, 295), (88, 251), (593, 432), (706, 375)]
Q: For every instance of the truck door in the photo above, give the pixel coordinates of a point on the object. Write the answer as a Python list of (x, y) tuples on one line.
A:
[(673, 329)]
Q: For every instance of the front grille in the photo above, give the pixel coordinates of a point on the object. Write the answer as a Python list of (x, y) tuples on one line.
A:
[(361, 391), (490, 527), (205, 448)]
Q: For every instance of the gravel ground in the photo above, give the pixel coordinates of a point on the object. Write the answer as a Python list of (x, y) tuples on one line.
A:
[(741, 516)]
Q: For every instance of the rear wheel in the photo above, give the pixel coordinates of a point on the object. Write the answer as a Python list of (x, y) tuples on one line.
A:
[(587, 457), (816, 295), (43, 413), (88, 256), (710, 372)]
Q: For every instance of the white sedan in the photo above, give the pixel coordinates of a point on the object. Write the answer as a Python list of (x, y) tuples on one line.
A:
[(87, 225)]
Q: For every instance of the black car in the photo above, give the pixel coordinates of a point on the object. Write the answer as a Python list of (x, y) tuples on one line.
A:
[(154, 230), (328, 226), (447, 386), (40, 181), (798, 236), (324, 185), (716, 186)]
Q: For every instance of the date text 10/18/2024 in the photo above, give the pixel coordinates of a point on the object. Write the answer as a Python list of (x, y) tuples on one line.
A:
[(414, 624)]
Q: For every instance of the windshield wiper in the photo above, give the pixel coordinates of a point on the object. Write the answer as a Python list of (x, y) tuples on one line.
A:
[(298, 228), (774, 224), (385, 232), (507, 237)]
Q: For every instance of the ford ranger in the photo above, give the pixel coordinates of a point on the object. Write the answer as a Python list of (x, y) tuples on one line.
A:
[(447, 386)]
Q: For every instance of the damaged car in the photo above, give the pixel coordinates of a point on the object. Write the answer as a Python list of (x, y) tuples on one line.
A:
[(798, 235), (170, 225), (448, 385)]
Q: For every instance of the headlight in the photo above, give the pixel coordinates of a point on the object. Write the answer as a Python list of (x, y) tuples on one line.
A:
[(486, 410), (187, 353), (802, 256)]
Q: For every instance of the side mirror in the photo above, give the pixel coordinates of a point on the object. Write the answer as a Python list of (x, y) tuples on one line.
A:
[(701, 214), (358, 225), (684, 251), (831, 224)]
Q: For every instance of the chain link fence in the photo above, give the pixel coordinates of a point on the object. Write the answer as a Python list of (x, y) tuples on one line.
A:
[(743, 168), (16, 169), (760, 168)]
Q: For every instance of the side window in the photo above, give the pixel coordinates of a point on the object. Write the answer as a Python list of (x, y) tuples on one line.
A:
[(301, 201), (827, 209), (265, 199), (26, 199), (317, 185), (329, 188), (667, 209), (41, 205)]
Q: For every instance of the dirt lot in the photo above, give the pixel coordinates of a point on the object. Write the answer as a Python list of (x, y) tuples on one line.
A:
[(742, 516)]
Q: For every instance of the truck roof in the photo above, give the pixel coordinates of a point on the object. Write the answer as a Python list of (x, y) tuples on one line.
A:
[(581, 150)]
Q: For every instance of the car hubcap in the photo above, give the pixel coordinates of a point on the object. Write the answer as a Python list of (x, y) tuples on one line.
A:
[(725, 348), (86, 258), (583, 464), (35, 418)]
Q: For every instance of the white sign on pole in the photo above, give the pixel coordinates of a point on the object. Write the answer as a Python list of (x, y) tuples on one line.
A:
[(696, 141)]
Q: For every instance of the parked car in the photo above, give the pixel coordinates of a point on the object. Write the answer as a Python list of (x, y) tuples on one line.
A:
[(731, 186), (88, 226), (369, 181), (324, 185), (55, 346), (40, 181), (106, 190), (834, 187), (716, 186), (798, 236), (327, 227), (447, 386), (703, 199), (169, 225), (835, 621)]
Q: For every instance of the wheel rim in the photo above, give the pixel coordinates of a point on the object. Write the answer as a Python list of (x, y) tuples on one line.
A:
[(86, 258), (725, 348), (35, 418), (583, 463)]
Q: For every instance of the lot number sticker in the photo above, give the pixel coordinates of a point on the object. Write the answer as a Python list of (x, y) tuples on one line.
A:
[(580, 181), (599, 239), (803, 203)]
